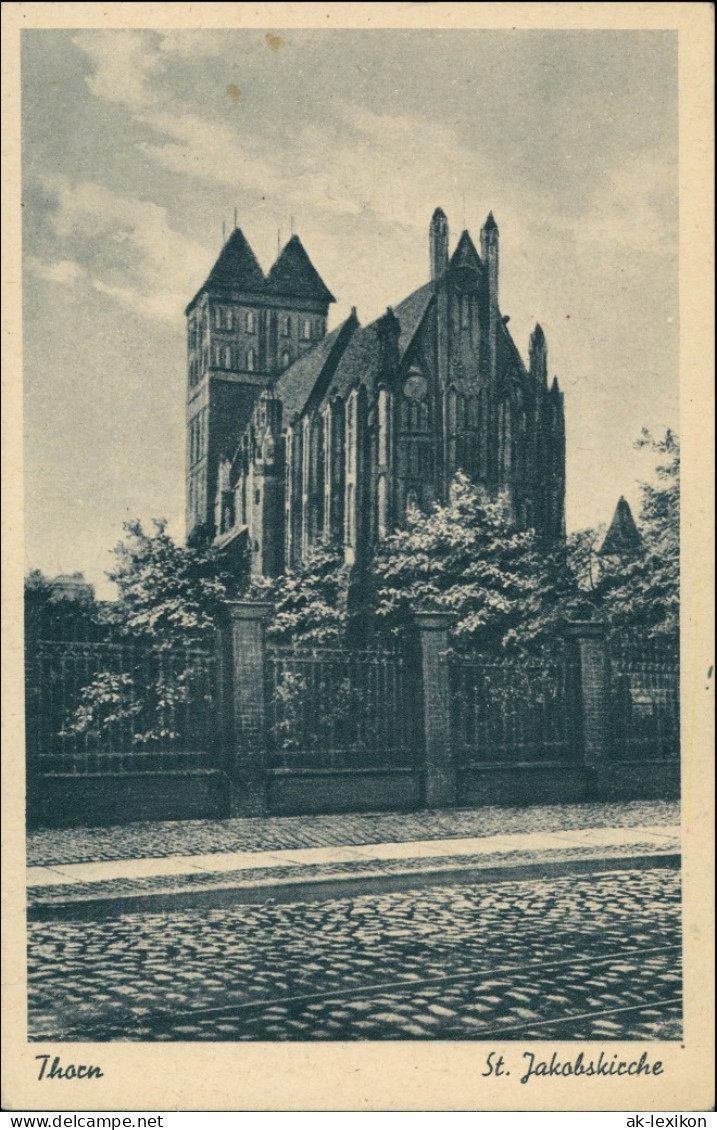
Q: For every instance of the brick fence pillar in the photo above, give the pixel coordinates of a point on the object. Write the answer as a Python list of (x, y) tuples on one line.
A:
[(439, 769), (243, 644), (590, 644)]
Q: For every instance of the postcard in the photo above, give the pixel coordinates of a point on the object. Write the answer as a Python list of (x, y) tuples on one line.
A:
[(358, 654)]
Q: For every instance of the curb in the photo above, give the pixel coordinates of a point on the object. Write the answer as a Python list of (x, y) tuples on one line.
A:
[(333, 886)]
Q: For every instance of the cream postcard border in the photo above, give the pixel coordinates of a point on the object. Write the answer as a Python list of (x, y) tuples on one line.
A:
[(381, 1076)]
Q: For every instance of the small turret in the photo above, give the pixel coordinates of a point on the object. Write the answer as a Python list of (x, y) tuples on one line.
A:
[(389, 329), (489, 251), (489, 240), (438, 243), (538, 355)]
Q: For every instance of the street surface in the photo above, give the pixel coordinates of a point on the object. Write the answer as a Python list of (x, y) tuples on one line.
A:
[(581, 957)]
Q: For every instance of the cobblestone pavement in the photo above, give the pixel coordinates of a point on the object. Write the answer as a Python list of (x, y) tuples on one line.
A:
[(197, 837), (578, 957)]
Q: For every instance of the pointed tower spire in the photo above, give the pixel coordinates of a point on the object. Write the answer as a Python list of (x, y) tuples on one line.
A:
[(538, 355), (489, 253), (489, 238), (623, 538), (236, 266), (438, 243), (294, 274)]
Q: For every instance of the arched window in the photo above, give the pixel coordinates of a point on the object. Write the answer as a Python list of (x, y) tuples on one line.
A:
[(350, 515), (465, 313), (351, 462), (217, 317), (383, 427), (229, 319), (285, 325), (250, 322), (251, 360), (305, 329), (217, 357), (328, 460), (382, 507), (411, 501), (227, 357), (285, 359)]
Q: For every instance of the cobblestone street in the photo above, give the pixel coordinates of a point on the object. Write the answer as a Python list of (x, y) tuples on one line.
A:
[(578, 957)]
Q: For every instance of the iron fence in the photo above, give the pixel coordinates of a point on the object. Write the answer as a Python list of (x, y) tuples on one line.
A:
[(513, 711), (335, 708), (645, 699), (112, 707)]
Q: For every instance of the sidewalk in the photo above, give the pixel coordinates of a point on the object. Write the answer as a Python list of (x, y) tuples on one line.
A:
[(96, 872)]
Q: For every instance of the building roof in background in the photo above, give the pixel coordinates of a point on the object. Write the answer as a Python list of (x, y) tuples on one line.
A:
[(623, 537)]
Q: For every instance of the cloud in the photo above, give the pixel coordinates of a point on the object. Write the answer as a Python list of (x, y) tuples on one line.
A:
[(66, 272), (123, 62), (209, 149), (126, 249), (635, 207)]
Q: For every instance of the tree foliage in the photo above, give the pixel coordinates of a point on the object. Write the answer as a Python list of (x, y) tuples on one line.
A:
[(165, 588), (310, 603), (507, 588), (643, 592), (52, 614)]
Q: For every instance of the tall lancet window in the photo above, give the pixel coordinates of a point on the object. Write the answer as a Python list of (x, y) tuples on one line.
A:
[(288, 496), (351, 464), (383, 428), (251, 360), (328, 465), (306, 487), (382, 506)]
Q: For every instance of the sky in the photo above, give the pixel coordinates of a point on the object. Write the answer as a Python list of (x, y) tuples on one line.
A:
[(138, 145)]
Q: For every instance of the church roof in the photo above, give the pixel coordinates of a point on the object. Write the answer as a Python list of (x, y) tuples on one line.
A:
[(294, 274), (362, 359), (410, 314), (296, 384), (237, 266), (623, 537), (509, 358), (465, 252)]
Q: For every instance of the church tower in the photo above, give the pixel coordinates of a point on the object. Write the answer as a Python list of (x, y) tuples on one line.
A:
[(243, 329)]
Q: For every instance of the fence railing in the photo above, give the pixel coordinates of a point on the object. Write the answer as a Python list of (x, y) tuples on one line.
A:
[(120, 707), (335, 708), (644, 719), (233, 703), (514, 711)]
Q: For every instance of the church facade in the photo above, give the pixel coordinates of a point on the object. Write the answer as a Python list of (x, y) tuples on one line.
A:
[(297, 437)]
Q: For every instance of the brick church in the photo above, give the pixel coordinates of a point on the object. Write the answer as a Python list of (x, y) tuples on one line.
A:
[(296, 436)]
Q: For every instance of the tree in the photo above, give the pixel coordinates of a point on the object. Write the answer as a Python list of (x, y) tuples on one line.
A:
[(310, 603), (167, 590), (51, 613), (643, 592), (509, 589), (170, 597), (581, 547)]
